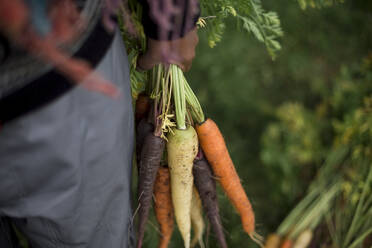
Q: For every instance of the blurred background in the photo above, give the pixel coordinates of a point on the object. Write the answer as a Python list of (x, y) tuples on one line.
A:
[(282, 118), (296, 125)]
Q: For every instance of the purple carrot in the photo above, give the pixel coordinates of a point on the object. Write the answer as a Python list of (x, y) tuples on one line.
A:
[(151, 155), (206, 186), (143, 129)]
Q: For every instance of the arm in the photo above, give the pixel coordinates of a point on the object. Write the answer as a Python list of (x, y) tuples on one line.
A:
[(170, 27), (23, 22)]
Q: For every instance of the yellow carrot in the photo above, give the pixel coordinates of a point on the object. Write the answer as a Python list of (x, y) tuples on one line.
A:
[(182, 148), (197, 220)]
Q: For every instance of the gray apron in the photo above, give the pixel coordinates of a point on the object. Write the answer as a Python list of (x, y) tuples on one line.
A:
[(65, 169)]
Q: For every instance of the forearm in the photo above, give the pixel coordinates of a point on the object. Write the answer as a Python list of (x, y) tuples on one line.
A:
[(169, 19)]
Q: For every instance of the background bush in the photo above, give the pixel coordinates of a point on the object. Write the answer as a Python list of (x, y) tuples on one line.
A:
[(281, 118)]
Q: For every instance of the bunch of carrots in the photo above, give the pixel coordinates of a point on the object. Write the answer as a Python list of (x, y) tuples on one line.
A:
[(180, 154)]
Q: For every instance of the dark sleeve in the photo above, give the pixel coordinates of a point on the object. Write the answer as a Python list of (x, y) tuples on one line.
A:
[(169, 19)]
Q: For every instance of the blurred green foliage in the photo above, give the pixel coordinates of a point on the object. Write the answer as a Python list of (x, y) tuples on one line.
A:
[(346, 113), (317, 3), (280, 118)]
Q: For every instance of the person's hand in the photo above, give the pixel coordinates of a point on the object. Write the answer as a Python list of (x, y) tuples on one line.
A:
[(14, 17), (180, 52)]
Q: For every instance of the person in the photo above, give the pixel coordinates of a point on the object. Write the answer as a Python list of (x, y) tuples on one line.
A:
[(66, 118)]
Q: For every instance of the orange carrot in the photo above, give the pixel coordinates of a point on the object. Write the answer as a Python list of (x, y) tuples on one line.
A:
[(287, 243), (163, 206), (214, 147), (142, 106)]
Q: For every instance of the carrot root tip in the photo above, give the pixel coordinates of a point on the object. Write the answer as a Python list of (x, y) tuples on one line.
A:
[(258, 239)]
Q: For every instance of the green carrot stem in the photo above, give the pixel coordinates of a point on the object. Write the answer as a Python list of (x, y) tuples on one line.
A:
[(179, 96), (156, 86), (368, 205), (297, 211), (332, 229), (316, 209), (361, 238), (189, 117), (315, 188), (318, 218), (158, 102), (165, 93), (358, 211), (169, 86), (334, 159), (192, 100)]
